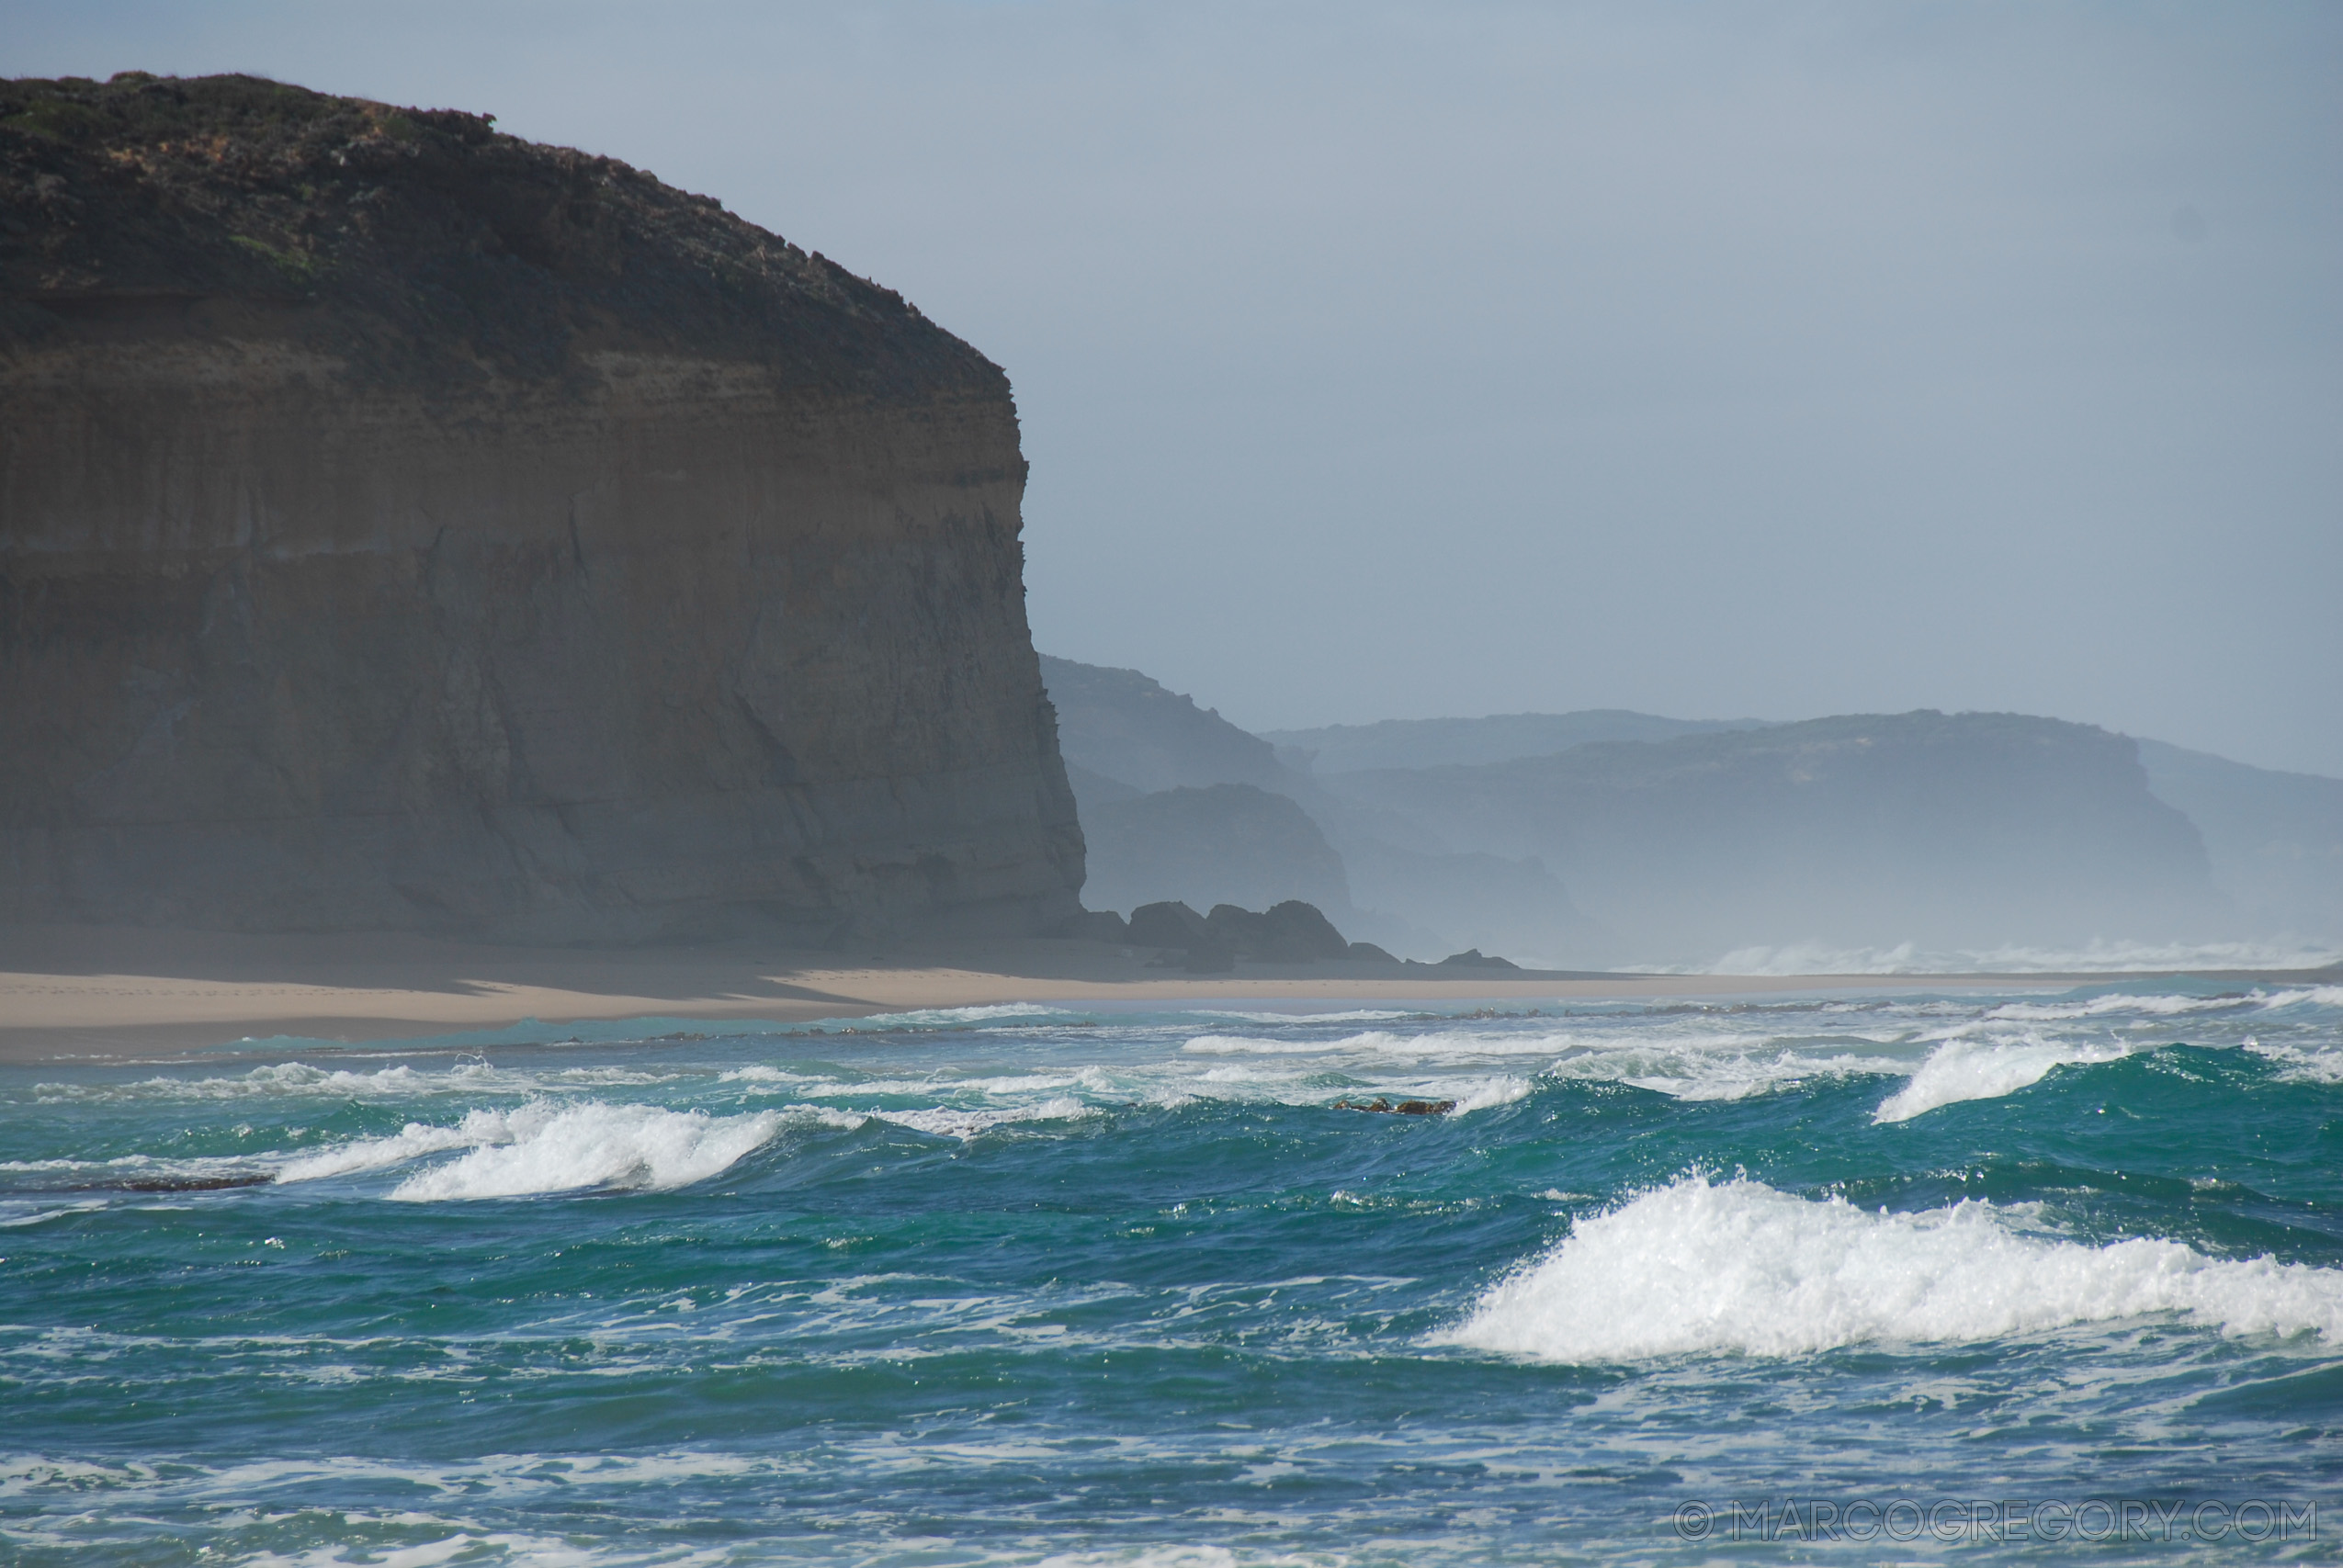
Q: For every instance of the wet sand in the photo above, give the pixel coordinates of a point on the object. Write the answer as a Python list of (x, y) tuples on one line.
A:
[(91, 993)]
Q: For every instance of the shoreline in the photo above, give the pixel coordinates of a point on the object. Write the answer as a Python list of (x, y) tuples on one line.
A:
[(98, 994)]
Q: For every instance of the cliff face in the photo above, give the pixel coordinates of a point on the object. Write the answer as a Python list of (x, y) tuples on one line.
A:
[(403, 526)]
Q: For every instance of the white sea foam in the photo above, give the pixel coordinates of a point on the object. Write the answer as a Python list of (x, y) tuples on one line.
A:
[(2295, 1065), (944, 1018), (1694, 1060), (1248, 1046), (760, 1073), (1380, 1045), (1355, 1015), (1490, 1093), (542, 1147), (1737, 1267), (964, 1125), (300, 1080), (556, 1147), (2099, 1007), (412, 1141), (1697, 1075), (1988, 1069), (1307, 1084), (943, 1085), (466, 1544), (2309, 995), (2096, 957)]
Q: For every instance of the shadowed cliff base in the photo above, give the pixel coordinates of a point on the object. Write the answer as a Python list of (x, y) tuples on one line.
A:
[(404, 526)]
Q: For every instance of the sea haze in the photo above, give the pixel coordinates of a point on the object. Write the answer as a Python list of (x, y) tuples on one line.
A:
[(1913, 842), (1014, 1284)]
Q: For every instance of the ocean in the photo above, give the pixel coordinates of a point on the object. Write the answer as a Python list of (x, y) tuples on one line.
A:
[(1944, 1275)]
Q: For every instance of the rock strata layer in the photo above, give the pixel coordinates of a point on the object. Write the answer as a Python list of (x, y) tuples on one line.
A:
[(407, 526)]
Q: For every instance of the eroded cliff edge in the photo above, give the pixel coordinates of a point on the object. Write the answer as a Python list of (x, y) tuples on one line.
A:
[(406, 527)]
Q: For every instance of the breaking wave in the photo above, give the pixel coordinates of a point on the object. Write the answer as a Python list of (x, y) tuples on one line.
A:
[(1988, 1069), (548, 1146), (1739, 1267)]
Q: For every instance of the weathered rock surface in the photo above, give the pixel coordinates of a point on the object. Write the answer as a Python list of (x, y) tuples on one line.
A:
[(403, 526), (1290, 932), (1168, 923), (1094, 925), (1474, 958)]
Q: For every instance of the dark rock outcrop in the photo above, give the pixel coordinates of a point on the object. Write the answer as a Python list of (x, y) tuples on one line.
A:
[(1290, 932), (403, 525), (1095, 925), (1168, 924), (1474, 958), (1172, 925)]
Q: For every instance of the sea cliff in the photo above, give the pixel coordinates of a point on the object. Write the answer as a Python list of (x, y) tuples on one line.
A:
[(406, 527)]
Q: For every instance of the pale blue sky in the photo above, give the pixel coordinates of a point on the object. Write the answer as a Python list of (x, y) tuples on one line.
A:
[(1385, 361)]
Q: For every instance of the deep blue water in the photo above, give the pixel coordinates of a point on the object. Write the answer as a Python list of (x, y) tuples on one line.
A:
[(1017, 1285)]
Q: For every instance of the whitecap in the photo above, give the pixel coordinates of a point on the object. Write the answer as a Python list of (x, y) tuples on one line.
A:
[(1490, 1093), (1739, 1267), (554, 1146), (2312, 996), (546, 1148), (301, 1080), (2295, 1065), (760, 1073), (1696, 1075), (1989, 1070), (2096, 1007), (412, 1141), (945, 1018), (964, 1125), (1449, 1045), (1249, 1045), (1354, 1015)]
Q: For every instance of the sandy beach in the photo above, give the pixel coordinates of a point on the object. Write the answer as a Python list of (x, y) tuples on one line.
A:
[(96, 993)]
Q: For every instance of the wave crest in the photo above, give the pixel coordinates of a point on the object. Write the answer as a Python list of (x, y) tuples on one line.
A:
[(548, 1146), (1739, 1267)]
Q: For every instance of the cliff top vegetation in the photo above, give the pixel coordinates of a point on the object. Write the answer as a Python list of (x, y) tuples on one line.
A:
[(417, 243)]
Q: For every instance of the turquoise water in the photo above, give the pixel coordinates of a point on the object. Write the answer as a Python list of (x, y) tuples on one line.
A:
[(1022, 1285)]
